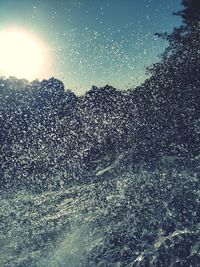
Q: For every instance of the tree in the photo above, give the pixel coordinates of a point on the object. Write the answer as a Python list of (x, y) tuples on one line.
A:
[(191, 13), (172, 93), (182, 55)]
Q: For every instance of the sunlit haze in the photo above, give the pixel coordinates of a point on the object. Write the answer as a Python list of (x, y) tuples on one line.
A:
[(91, 42)]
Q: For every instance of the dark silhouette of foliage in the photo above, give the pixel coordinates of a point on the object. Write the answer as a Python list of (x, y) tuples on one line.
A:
[(171, 95), (46, 129)]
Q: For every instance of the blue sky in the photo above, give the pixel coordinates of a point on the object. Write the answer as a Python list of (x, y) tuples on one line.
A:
[(96, 42)]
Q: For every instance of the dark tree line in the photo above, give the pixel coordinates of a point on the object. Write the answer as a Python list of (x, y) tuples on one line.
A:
[(47, 130), (170, 98)]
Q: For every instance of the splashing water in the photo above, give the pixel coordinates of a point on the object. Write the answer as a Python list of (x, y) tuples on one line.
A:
[(129, 220)]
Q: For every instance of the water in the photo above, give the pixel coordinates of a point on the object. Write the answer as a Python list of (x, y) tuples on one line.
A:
[(52, 225), (145, 217)]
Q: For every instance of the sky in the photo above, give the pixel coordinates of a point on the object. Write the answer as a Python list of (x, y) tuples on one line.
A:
[(95, 42)]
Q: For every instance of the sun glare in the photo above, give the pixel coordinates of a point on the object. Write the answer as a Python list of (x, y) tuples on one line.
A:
[(21, 55)]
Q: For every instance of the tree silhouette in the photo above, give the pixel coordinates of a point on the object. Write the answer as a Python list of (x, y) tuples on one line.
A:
[(180, 62), (174, 87), (191, 13)]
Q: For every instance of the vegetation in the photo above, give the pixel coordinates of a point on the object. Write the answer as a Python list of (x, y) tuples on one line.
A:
[(46, 130)]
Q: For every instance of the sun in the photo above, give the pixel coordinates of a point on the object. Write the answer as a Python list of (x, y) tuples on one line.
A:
[(21, 54)]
